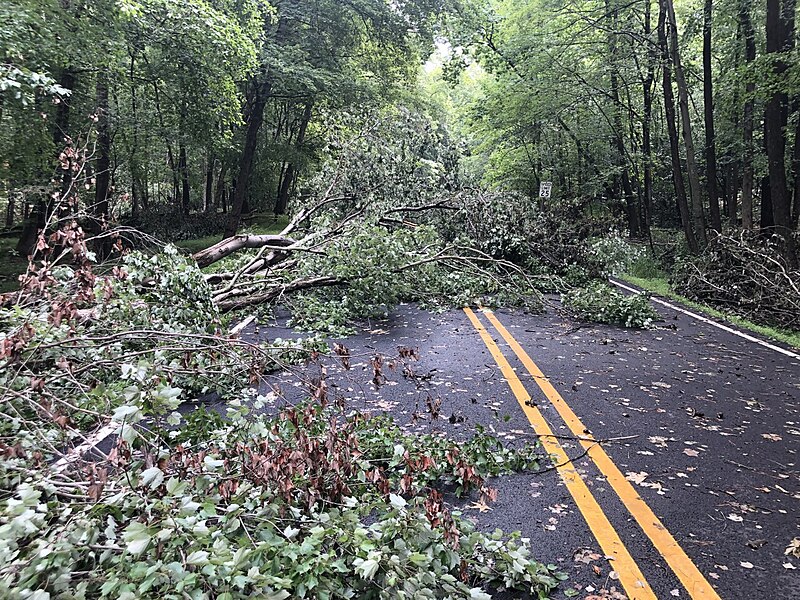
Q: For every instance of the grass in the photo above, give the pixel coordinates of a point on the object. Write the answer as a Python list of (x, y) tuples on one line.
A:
[(661, 287), (262, 224), (11, 265)]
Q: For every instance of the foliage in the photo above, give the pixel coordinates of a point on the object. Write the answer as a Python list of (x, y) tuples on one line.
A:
[(379, 267), (77, 345), (601, 303), (305, 504), (616, 254)]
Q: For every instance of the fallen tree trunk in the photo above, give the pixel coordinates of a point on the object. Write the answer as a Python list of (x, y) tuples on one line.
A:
[(228, 246), (234, 300)]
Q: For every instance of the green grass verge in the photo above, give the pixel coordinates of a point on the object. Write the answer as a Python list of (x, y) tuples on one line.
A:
[(661, 287), (262, 224)]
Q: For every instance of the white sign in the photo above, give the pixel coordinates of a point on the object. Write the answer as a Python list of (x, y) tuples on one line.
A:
[(544, 189)]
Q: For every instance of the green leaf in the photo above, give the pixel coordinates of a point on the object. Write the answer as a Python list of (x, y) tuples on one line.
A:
[(152, 477)]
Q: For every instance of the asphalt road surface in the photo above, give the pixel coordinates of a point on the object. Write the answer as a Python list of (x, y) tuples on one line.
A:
[(670, 456)]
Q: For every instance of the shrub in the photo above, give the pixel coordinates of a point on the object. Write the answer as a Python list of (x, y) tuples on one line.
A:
[(613, 254), (601, 303)]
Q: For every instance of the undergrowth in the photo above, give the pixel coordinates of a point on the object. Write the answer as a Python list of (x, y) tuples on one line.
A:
[(600, 303)]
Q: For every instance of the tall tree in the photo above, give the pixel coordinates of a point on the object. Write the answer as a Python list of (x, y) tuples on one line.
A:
[(780, 39), (698, 218), (748, 32), (708, 105), (672, 131)]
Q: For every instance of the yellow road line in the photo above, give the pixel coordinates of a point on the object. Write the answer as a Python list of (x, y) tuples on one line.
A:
[(630, 577), (689, 575)]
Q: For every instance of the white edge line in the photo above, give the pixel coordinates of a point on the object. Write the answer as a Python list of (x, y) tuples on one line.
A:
[(237, 329), (78, 451), (741, 334), (111, 428)]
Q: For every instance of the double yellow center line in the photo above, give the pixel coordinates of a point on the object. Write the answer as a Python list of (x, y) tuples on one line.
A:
[(630, 576)]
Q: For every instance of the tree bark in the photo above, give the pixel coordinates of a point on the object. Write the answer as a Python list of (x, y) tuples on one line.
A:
[(259, 93), (708, 103), (698, 219), (219, 194), (183, 167), (291, 169), (779, 29), (669, 115), (208, 201), (10, 210), (647, 95), (103, 172), (235, 243), (627, 190), (747, 121), (796, 169)]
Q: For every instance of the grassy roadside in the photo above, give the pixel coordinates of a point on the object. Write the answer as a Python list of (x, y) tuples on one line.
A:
[(661, 287)]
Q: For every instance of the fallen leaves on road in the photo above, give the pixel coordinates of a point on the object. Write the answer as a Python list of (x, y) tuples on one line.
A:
[(636, 477), (658, 441), (746, 564), (735, 518), (690, 452), (585, 555), (604, 594), (793, 548), (481, 506), (773, 437)]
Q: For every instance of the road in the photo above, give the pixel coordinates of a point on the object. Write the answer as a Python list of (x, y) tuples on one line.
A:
[(674, 468)]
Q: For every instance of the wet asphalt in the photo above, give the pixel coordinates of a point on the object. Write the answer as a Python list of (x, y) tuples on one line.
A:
[(710, 421)]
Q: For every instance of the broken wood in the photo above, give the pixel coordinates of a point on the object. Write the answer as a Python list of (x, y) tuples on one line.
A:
[(228, 246)]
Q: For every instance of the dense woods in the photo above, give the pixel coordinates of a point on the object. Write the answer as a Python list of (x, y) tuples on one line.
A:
[(671, 116)]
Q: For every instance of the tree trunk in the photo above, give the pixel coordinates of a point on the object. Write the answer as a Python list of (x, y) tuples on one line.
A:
[(796, 164), (747, 121), (291, 169), (766, 222), (10, 210), (669, 115), (208, 201), (647, 95), (627, 190), (103, 173), (698, 219), (219, 194), (708, 102), (259, 93), (780, 28), (183, 169)]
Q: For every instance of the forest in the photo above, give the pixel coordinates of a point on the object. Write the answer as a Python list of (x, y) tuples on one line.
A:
[(168, 167)]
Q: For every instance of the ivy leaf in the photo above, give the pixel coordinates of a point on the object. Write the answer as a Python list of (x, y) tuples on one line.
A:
[(136, 537), (397, 502), (199, 558), (152, 477), (366, 568)]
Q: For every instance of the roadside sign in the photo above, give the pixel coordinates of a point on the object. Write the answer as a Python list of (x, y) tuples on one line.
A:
[(544, 189)]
